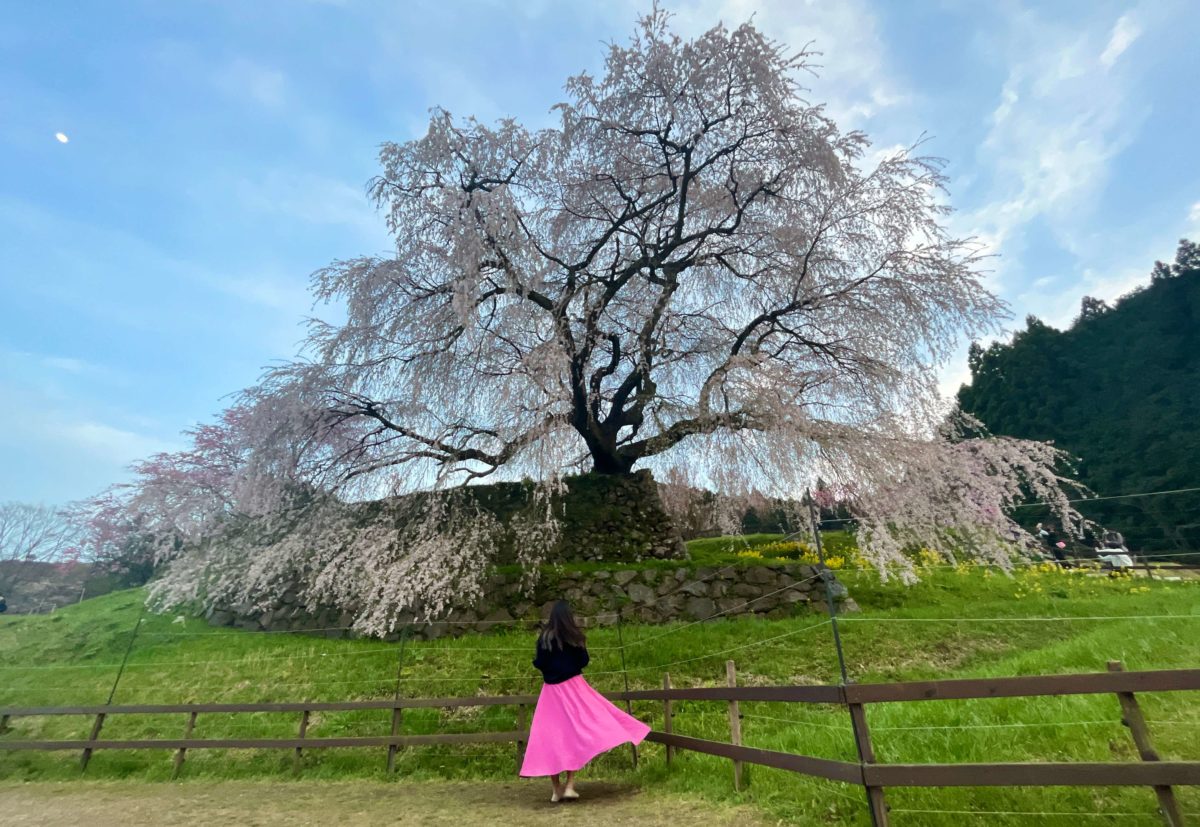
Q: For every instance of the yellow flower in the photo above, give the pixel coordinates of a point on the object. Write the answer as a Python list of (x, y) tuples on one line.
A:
[(928, 557)]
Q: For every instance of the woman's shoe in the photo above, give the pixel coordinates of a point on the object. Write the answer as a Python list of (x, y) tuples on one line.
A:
[(569, 794)]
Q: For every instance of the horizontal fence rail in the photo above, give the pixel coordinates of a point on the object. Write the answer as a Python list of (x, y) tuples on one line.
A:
[(1034, 774), (819, 767), (874, 777), (1088, 683), (294, 706), (274, 743), (793, 694)]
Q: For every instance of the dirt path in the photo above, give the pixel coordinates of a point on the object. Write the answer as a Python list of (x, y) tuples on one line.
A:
[(350, 804)]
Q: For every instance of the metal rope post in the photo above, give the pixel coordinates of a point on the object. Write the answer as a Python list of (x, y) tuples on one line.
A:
[(827, 578), (876, 805), (121, 670), (625, 674)]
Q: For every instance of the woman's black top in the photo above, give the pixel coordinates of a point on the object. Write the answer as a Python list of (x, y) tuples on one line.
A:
[(560, 662)]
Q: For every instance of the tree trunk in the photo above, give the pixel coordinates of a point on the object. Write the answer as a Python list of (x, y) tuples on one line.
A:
[(610, 463), (606, 457)]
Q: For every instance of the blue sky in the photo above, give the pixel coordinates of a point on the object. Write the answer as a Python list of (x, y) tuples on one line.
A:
[(218, 153)]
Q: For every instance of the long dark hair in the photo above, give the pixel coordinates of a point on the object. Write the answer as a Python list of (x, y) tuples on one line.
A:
[(561, 629)]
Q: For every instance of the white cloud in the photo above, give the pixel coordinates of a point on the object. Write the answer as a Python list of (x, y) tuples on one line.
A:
[(136, 306), (66, 363), (1110, 280), (1125, 31), (59, 443), (108, 443), (52, 373), (1062, 307), (311, 199), (953, 375), (1057, 125), (854, 79), (879, 154), (290, 298), (200, 72), (247, 79)]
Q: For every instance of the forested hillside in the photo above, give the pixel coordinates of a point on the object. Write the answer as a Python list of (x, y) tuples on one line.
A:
[(1120, 390)]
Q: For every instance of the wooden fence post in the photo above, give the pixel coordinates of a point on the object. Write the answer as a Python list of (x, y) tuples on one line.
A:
[(735, 724), (1132, 717), (866, 754), (398, 711), (522, 726), (1146, 566), (298, 760), (633, 751), (397, 720), (179, 755), (667, 715), (87, 752)]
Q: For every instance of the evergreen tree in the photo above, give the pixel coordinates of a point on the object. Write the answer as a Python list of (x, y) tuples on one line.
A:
[(1119, 390)]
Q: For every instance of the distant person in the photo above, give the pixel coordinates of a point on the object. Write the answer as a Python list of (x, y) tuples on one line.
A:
[(572, 722), (3, 605), (1056, 547), (1043, 538), (1114, 554)]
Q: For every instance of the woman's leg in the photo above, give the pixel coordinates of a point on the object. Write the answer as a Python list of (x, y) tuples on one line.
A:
[(556, 787), (569, 790)]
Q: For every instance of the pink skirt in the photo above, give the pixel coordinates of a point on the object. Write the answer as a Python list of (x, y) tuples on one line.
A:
[(572, 724)]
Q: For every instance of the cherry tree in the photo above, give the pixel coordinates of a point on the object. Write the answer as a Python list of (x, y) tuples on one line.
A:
[(693, 270), (175, 498)]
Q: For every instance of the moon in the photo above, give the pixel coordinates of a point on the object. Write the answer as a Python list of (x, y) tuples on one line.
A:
[(61, 138)]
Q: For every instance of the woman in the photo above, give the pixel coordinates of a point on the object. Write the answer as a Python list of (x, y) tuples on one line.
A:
[(1056, 547), (572, 722)]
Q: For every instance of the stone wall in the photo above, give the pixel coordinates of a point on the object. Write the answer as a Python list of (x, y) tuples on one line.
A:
[(614, 518), (652, 595)]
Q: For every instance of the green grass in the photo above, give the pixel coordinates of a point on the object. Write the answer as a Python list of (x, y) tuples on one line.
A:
[(70, 658)]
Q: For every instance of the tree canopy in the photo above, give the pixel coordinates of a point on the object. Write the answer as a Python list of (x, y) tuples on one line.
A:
[(694, 271), (694, 250)]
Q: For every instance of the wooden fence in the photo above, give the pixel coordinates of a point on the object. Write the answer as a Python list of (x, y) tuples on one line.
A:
[(866, 772)]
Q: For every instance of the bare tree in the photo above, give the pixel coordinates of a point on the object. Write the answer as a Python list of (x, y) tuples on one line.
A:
[(31, 537)]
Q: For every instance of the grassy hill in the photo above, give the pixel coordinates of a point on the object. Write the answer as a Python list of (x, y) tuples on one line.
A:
[(955, 623)]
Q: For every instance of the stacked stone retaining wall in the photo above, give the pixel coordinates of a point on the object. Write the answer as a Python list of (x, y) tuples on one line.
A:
[(652, 595)]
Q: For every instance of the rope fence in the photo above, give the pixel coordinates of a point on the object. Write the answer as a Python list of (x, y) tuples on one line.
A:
[(420, 650), (868, 773)]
